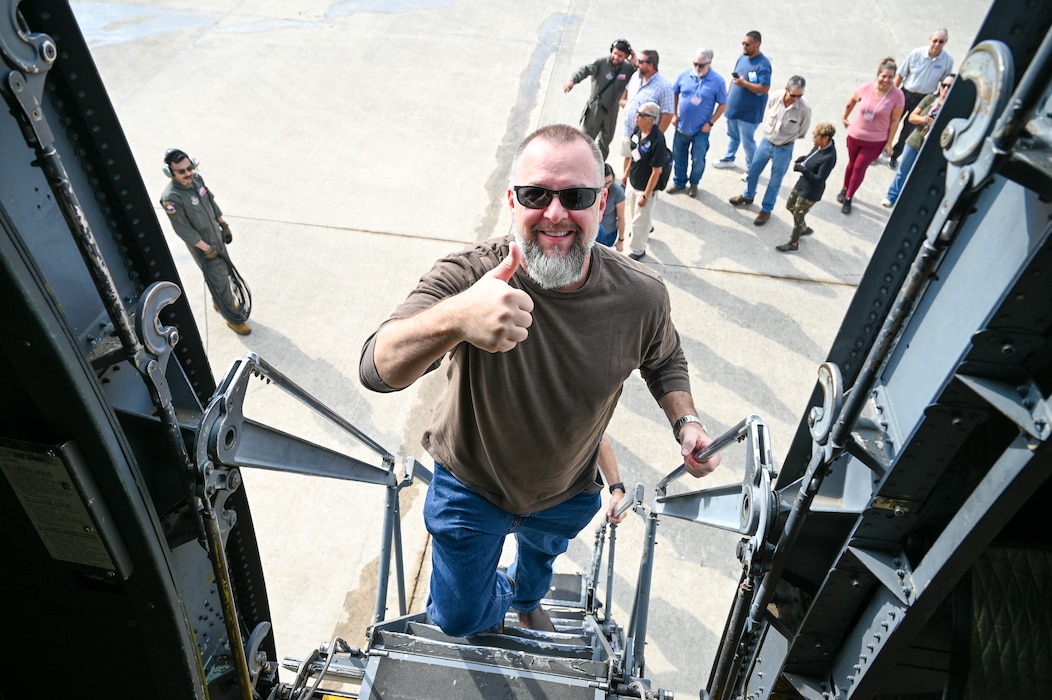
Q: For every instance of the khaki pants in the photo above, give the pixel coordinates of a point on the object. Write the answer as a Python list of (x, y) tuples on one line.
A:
[(640, 218)]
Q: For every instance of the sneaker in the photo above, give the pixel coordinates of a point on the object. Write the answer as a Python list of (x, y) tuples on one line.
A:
[(846, 209), (674, 189), (840, 197), (762, 218), (807, 231), (723, 164), (745, 177), (893, 163), (738, 200), (692, 191), (240, 328), (887, 203), (789, 247), (637, 256)]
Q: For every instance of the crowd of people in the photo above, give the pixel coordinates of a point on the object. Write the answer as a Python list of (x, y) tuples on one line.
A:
[(763, 125)]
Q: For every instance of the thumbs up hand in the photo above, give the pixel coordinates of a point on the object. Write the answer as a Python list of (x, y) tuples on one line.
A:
[(497, 315)]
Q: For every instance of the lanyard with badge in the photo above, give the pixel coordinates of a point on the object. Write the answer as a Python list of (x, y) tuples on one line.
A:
[(868, 114)]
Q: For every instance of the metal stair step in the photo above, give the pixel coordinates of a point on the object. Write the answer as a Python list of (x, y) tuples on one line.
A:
[(513, 639)]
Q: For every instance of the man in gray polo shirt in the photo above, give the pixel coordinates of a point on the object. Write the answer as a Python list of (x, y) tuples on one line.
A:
[(919, 75)]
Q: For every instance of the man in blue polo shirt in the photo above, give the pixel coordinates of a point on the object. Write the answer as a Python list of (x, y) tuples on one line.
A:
[(746, 100), (700, 98)]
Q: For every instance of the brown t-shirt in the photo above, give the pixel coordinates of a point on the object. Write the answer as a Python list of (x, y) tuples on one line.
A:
[(522, 427)]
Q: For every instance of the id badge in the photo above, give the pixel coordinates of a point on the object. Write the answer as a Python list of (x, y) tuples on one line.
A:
[(695, 100), (868, 116), (635, 154)]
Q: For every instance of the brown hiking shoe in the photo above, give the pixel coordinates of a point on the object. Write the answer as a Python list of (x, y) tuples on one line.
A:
[(737, 200), (240, 328)]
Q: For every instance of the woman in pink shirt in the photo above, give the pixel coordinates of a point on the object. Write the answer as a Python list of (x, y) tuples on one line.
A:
[(873, 130)]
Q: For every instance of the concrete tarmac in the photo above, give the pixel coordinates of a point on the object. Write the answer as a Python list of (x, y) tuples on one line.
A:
[(352, 143)]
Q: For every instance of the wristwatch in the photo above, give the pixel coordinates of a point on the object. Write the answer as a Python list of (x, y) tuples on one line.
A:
[(683, 421), (618, 485)]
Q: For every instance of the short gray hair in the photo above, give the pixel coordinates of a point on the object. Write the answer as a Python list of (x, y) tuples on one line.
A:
[(650, 109), (796, 81), (704, 53)]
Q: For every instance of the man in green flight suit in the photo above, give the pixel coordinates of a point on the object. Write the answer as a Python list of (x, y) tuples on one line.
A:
[(197, 219), (610, 75)]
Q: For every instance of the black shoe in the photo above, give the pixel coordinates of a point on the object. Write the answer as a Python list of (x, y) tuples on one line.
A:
[(637, 256), (788, 247), (847, 206), (893, 163), (840, 197), (807, 231)]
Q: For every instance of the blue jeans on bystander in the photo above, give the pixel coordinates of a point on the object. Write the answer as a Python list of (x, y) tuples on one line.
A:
[(744, 133), (780, 158), (698, 147), (906, 160)]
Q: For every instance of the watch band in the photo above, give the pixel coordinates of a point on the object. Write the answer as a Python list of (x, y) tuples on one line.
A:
[(683, 421), (618, 485)]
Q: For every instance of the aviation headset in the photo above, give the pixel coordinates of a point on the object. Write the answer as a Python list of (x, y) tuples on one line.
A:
[(175, 155), (621, 45)]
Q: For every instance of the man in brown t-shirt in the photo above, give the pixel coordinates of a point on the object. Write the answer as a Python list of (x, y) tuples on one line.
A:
[(516, 434)]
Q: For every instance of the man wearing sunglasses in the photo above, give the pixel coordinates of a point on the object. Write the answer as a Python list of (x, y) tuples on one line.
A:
[(647, 85), (786, 119), (647, 158), (197, 219), (919, 76), (700, 98), (746, 99), (541, 328)]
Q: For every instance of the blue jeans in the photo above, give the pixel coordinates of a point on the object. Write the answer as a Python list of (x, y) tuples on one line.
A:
[(468, 594), (780, 157), (744, 133), (909, 155), (698, 145)]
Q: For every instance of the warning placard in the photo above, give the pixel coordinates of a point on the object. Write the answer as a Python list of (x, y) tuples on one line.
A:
[(50, 498)]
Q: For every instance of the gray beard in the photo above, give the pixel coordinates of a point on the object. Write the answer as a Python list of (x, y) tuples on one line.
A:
[(553, 272)]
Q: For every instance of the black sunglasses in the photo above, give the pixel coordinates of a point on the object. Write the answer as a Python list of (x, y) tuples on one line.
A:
[(574, 198)]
